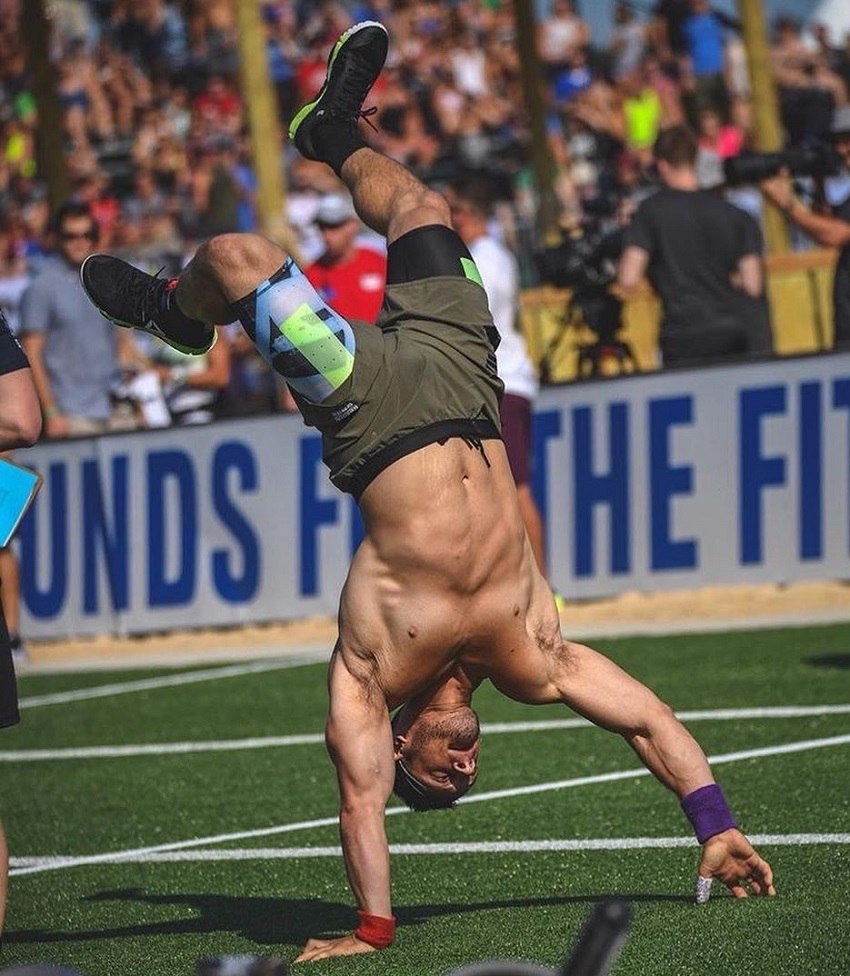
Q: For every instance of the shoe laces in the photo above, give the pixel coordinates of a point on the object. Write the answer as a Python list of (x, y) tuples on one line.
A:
[(150, 299), (359, 78), (366, 115)]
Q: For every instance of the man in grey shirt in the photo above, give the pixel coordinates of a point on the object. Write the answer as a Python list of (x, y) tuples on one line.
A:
[(73, 352)]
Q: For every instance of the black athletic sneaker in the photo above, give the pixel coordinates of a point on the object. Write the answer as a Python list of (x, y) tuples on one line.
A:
[(135, 300), (353, 67)]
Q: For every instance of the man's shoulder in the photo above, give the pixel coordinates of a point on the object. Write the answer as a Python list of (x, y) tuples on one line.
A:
[(656, 199), (50, 274), (692, 201), (652, 209), (721, 209)]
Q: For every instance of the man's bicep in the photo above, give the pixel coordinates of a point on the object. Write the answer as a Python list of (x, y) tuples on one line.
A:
[(597, 688), (35, 309), (359, 736), (632, 267), (641, 231), (751, 274)]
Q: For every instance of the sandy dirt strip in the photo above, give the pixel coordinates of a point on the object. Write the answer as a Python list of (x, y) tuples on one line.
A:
[(707, 609)]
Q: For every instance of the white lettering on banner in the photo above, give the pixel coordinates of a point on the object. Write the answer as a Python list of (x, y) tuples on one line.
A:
[(663, 480)]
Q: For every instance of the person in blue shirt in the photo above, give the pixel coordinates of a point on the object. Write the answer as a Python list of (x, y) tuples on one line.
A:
[(703, 34)]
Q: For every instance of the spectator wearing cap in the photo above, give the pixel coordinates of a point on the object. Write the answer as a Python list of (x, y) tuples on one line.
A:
[(829, 228), (348, 276)]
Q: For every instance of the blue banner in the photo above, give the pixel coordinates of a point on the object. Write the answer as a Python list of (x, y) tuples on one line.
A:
[(650, 482)]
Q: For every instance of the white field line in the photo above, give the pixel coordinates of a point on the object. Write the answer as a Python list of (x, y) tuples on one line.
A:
[(119, 856), (467, 847), (493, 728), (160, 748), (150, 684)]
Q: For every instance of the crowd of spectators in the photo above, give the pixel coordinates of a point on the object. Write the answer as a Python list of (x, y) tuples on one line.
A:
[(155, 134)]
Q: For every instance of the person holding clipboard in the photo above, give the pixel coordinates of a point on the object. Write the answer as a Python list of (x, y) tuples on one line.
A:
[(20, 426)]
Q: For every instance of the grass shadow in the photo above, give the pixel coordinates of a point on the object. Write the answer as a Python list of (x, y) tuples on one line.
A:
[(272, 921), (829, 661)]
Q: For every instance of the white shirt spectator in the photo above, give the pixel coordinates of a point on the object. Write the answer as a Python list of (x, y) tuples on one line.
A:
[(498, 269), (469, 71)]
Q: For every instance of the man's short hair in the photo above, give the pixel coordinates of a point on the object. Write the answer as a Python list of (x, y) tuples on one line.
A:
[(476, 192), (410, 791), (676, 146), (417, 795), (72, 210)]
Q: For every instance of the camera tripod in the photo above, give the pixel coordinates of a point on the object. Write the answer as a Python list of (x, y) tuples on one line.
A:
[(597, 311)]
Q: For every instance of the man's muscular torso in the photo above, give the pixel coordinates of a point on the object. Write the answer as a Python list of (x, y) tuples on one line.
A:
[(445, 580)]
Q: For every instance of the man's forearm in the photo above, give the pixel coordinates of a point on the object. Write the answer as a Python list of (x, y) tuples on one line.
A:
[(367, 858), (672, 754), (826, 230)]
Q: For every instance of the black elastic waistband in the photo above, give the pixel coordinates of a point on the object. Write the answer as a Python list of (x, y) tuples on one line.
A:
[(356, 483), (430, 251)]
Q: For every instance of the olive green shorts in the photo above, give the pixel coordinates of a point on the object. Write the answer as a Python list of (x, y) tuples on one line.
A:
[(426, 371)]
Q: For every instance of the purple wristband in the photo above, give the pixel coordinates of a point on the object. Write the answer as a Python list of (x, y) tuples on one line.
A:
[(708, 812)]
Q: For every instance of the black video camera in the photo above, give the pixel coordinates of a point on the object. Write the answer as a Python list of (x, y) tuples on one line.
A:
[(587, 258), (586, 263), (814, 159)]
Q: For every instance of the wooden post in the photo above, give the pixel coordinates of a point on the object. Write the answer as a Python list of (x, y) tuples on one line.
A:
[(50, 138), (542, 164), (767, 125), (260, 101)]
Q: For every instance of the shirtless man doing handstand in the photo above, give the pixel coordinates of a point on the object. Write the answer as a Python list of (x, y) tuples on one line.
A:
[(444, 591)]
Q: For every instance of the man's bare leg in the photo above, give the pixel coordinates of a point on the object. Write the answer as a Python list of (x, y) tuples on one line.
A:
[(223, 270), (227, 268), (184, 310), (388, 197)]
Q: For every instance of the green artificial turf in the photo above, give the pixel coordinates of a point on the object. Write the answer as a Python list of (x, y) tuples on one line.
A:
[(154, 917)]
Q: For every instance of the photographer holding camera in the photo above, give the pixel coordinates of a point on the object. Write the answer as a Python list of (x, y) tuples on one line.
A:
[(830, 228), (702, 256)]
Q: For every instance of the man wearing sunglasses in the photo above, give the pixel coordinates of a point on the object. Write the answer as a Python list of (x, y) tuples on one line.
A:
[(72, 351), (827, 229), (348, 276)]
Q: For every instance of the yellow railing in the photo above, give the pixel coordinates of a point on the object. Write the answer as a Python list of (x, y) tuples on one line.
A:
[(799, 288)]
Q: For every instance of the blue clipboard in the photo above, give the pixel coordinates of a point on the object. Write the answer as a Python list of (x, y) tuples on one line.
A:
[(18, 488)]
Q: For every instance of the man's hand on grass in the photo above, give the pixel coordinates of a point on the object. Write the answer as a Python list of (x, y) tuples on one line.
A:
[(731, 858)]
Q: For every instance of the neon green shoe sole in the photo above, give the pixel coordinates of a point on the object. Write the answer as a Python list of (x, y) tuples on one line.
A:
[(354, 64)]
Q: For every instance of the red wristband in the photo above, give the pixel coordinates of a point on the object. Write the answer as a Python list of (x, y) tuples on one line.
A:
[(375, 930)]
